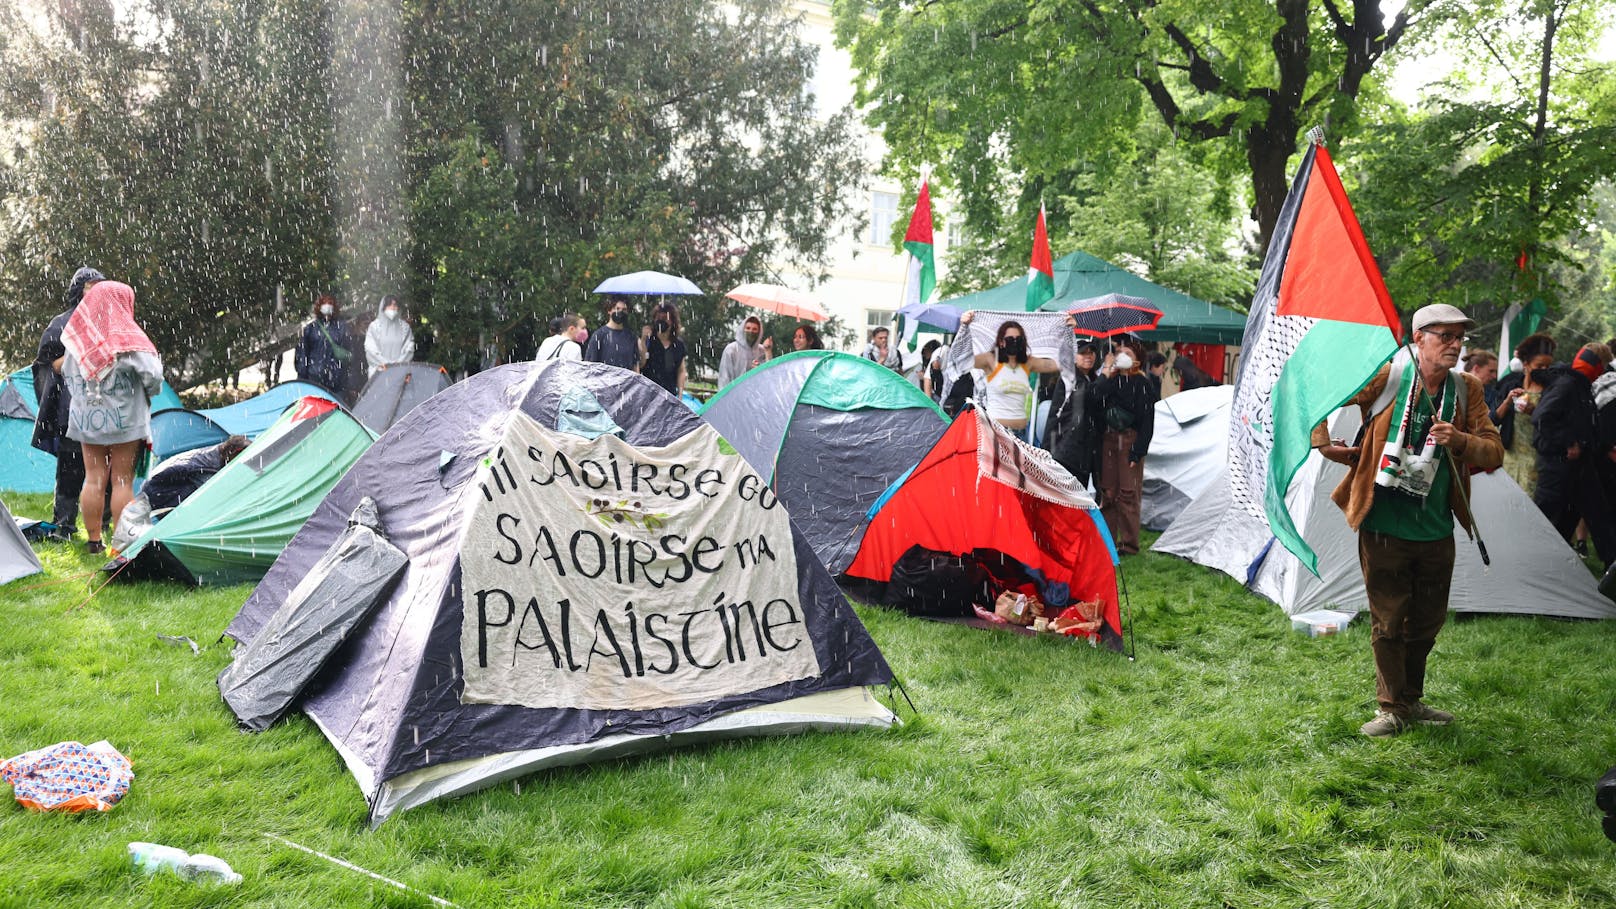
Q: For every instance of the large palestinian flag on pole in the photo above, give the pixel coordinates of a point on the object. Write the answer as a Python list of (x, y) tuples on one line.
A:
[(1041, 271), (922, 265), (1321, 325)]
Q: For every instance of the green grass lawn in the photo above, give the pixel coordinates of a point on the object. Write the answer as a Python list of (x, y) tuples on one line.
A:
[(1223, 768)]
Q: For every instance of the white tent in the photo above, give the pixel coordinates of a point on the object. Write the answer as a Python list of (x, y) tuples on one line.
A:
[(1186, 452), (17, 559), (1533, 571)]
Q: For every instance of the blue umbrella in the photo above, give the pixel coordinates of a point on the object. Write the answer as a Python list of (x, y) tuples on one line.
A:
[(936, 315), (648, 282)]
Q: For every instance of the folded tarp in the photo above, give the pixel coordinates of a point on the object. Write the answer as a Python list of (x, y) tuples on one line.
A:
[(337, 596)]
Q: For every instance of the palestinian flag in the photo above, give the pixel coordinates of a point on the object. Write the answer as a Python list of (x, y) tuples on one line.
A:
[(922, 265), (1041, 272), (1321, 325), (1519, 321), (917, 240)]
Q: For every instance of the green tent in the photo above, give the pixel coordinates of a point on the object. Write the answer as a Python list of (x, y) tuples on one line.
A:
[(232, 529), (1080, 276)]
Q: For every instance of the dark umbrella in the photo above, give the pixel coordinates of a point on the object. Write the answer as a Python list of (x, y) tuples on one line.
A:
[(1113, 314)]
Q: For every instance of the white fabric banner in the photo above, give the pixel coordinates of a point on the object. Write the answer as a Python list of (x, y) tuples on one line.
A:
[(1047, 336), (600, 576)]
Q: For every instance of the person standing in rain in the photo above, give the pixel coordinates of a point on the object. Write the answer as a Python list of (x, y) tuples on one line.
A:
[(112, 372), (743, 353), (613, 343), (663, 361), (50, 419), (1123, 406), (389, 339), (563, 343), (325, 348)]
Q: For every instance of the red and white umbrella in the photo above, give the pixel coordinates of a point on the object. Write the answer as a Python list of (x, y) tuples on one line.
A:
[(780, 300)]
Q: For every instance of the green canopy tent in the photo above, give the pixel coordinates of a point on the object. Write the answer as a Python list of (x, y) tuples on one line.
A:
[(1080, 276), (232, 529)]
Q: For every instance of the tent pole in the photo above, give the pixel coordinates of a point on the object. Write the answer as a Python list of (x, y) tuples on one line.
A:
[(1127, 607)]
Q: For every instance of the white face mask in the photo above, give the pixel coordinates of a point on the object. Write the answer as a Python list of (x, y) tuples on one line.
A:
[(327, 309), (390, 313), (1124, 361), (1515, 364)]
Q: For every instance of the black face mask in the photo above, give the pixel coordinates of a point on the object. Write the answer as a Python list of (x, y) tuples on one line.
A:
[(661, 325), (618, 318), (1014, 347)]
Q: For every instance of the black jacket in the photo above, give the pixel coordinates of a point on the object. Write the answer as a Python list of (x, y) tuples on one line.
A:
[(1565, 414), (1506, 423), (1133, 394), (50, 392), (1073, 436)]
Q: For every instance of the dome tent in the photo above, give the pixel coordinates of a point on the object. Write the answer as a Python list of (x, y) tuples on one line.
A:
[(176, 429), (24, 468), (830, 432), (982, 496), (395, 390), (231, 530), (626, 513)]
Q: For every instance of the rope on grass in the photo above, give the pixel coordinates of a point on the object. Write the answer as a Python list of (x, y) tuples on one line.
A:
[(352, 867), (95, 592), (71, 577)]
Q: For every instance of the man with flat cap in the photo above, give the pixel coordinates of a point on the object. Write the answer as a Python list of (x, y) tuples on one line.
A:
[(1425, 427)]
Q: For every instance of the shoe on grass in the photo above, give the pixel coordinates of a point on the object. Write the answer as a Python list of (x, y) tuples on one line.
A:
[(95, 547), (1426, 715), (1384, 725)]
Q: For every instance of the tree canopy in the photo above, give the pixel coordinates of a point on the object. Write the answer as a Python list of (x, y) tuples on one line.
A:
[(492, 161)]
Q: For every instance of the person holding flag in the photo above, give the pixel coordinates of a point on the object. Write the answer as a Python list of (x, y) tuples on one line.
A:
[(1320, 332), (1425, 427)]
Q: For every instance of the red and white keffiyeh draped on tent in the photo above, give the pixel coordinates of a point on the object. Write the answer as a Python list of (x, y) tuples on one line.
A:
[(981, 491)]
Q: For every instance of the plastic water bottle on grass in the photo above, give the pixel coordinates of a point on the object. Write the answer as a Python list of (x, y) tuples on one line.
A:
[(153, 858)]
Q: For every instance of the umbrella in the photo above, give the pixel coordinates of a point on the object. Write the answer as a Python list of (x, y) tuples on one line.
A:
[(648, 282), (1113, 314), (937, 315), (69, 776), (781, 300)]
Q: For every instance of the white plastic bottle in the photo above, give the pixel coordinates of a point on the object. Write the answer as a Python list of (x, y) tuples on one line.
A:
[(154, 857)]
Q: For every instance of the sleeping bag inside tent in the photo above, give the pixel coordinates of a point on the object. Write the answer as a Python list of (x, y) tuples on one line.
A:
[(395, 390), (591, 572), (232, 529), (830, 432), (984, 516), (24, 468), (176, 429)]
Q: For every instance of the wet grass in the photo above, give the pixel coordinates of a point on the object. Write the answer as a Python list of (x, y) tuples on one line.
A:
[(1223, 768)]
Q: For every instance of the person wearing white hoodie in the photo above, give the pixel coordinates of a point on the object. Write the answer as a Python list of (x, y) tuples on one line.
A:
[(743, 353), (389, 338)]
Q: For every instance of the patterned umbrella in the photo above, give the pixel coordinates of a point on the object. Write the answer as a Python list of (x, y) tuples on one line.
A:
[(1113, 314), (69, 776)]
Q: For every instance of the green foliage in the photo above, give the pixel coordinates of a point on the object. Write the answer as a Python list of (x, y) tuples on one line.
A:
[(1223, 768), (1502, 165), (1047, 97), (519, 153), (189, 162)]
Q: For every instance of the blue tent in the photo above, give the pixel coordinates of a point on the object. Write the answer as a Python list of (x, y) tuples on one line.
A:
[(24, 468), (179, 430)]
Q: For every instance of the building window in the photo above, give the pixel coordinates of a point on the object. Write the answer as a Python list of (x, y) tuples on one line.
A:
[(878, 318), (954, 234), (883, 212)]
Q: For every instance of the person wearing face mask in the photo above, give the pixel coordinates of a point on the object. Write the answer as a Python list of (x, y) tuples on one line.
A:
[(325, 348), (744, 352), (564, 342), (663, 351), (1124, 407), (1006, 388), (614, 343), (389, 339), (1516, 398)]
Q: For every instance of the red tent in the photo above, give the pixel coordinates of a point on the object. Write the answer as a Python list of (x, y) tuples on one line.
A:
[(979, 490)]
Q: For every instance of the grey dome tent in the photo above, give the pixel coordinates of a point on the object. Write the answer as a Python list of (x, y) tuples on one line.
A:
[(831, 432), (592, 572), (1533, 571), (17, 558), (395, 391), (1186, 452)]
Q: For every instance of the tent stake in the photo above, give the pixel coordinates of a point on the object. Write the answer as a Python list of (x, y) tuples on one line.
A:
[(1127, 607)]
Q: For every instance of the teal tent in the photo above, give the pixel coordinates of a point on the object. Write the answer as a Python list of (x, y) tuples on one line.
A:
[(232, 529), (24, 468), (1080, 276)]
